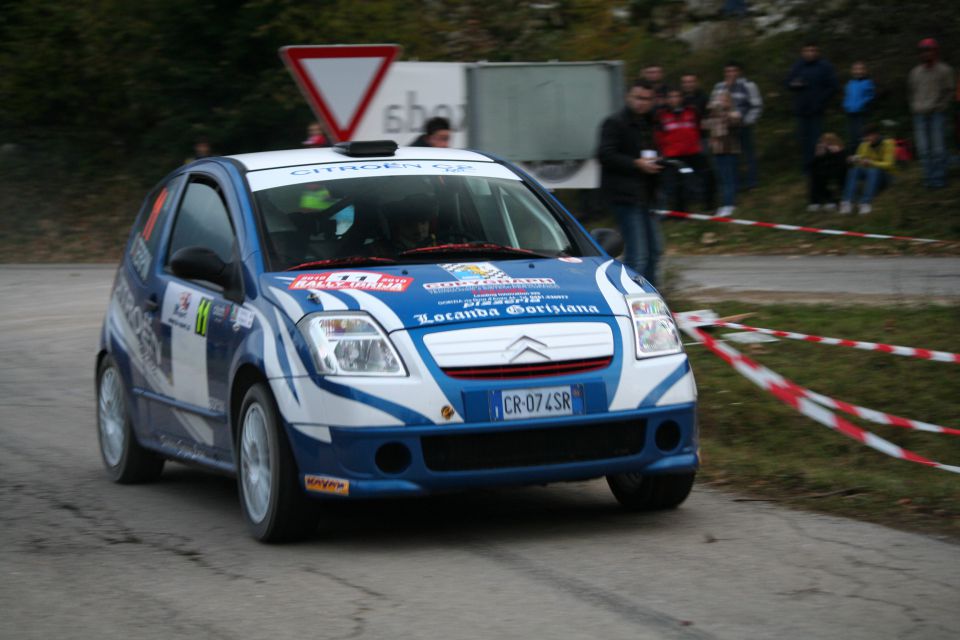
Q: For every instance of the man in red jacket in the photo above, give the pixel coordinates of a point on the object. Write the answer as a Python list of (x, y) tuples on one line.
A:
[(678, 137)]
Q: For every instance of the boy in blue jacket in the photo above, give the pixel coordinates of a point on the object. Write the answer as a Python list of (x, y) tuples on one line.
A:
[(858, 95)]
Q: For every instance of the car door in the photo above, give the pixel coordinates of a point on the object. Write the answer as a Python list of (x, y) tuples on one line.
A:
[(136, 298), (198, 329)]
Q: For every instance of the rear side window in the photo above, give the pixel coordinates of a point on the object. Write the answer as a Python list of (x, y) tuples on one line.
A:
[(203, 221), (147, 229)]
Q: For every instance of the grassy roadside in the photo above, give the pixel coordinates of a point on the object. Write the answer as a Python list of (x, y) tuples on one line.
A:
[(905, 209), (753, 444)]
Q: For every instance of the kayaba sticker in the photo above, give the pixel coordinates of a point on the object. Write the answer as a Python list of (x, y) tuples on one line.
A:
[(327, 484), (359, 280)]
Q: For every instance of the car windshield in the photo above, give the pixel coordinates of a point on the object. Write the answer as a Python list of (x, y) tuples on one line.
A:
[(470, 211)]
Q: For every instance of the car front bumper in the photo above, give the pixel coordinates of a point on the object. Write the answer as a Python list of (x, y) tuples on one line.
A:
[(420, 460)]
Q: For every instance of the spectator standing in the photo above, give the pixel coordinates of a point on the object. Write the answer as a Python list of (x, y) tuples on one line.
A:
[(930, 87), (858, 95), (653, 75), (315, 136), (813, 82), (873, 165), (693, 95), (749, 104), (628, 178), (678, 138), (829, 168), (201, 149), (436, 133), (723, 124)]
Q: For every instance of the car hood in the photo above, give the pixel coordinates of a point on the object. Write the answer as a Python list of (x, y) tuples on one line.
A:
[(422, 295)]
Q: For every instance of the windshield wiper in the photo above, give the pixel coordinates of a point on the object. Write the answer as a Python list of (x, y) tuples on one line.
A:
[(473, 247), (353, 261)]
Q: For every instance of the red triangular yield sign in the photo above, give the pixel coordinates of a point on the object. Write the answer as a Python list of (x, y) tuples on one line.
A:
[(339, 80)]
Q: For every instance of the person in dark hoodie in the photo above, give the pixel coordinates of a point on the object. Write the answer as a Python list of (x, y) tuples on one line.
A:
[(858, 96), (436, 133), (813, 83), (628, 178), (930, 87)]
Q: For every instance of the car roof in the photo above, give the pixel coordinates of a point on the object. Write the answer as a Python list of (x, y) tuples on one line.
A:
[(295, 157)]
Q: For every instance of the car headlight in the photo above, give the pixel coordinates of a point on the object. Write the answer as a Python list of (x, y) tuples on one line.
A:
[(653, 326), (350, 344)]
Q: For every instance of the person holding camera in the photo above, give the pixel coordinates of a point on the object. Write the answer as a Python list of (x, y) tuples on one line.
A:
[(629, 165)]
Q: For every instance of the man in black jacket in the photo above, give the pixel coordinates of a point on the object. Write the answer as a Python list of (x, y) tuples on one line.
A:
[(628, 178), (813, 83)]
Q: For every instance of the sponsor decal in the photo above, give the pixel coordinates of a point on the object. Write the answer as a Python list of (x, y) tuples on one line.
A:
[(450, 316), (484, 309), (141, 323), (140, 257), (551, 309), (203, 316), (472, 271), (451, 285), (183, 305), (484, 279), (327, 484), (270, 178), (221, 312), (358, 280), (241, 318), (387, 167), (570, 259)]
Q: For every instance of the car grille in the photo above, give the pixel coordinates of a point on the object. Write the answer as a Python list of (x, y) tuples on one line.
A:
[(506, 372), (533, 447)]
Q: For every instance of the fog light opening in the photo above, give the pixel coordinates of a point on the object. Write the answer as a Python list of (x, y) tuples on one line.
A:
[(668, 436), (393, 457)]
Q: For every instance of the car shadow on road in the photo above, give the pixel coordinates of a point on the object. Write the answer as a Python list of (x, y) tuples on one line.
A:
[(531, 512)]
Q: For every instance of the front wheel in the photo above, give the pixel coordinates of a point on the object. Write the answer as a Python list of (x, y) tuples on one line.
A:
[(271, 499), (650, 493), (126, 461)]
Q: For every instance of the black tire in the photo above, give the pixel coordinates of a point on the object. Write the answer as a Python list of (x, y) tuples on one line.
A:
[(277, 511), (650, 493), (125, 460)]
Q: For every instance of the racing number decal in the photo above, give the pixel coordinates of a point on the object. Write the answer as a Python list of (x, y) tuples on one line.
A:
[(203, 315)]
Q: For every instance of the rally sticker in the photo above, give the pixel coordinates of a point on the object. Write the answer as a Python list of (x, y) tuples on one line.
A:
[(492, 282), (359, 280), (473, 271), (327, 484)]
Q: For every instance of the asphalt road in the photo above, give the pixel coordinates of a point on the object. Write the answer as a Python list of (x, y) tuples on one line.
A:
[(861, 279), (83, 558)]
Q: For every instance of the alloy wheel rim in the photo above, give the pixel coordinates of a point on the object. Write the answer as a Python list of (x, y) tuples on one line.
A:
[(255, 463), (112, 417)]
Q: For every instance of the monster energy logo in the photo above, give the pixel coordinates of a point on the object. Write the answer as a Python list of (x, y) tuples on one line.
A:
[(203, 314)]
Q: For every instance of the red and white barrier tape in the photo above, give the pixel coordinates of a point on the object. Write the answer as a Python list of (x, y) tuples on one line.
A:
[(787, 227), (878, 417), (924, 354), (789, 393)]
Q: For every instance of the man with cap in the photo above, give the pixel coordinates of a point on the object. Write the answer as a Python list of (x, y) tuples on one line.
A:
[(930, 86)]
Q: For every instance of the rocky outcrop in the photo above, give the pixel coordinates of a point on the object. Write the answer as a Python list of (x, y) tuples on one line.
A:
[(705, 23)]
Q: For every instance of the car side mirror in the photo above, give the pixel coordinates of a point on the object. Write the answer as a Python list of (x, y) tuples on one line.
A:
[(200, 263), (609, 240)]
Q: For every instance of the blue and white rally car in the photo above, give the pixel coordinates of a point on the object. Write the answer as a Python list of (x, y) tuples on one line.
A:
[(369, 321)]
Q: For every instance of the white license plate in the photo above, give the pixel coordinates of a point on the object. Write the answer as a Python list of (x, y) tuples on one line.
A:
[(540, 402)]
